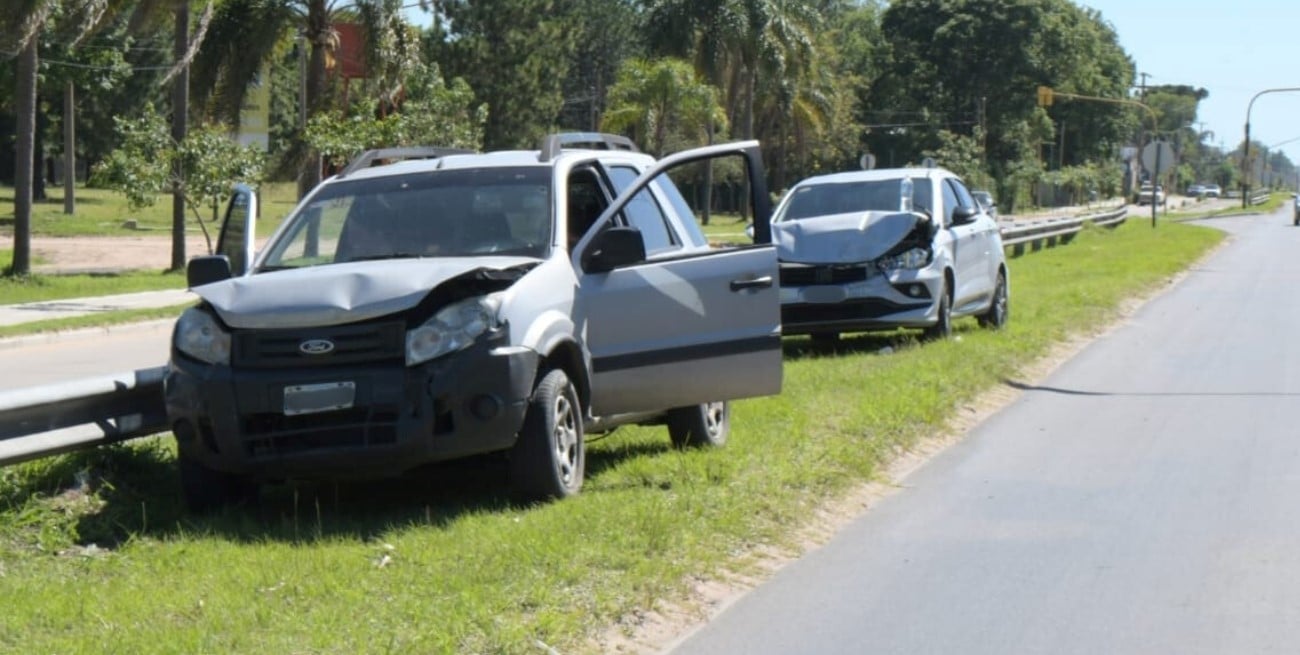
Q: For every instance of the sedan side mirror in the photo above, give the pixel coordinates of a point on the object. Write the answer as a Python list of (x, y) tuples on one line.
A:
[(614, 248), (964, 215)]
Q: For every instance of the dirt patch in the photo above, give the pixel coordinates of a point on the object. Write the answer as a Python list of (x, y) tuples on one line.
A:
[(108, 254)]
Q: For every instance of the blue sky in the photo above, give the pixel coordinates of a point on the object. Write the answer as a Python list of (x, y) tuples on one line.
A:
[(1231, 48)]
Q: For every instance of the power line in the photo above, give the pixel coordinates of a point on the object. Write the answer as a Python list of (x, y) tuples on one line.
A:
[(72, 64)]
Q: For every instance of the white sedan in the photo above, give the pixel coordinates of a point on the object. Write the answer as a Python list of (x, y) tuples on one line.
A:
[(884, 249)]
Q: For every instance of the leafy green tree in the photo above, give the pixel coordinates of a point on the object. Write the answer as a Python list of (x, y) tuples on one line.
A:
[(610, 33), (955, 64), (663, 105), (200, 168), (515, 54), (433, 113)]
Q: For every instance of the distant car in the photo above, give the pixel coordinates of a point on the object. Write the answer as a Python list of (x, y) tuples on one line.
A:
[(1211, 191), (1145, 195), (985, 200), (1195, 190), (889, 248)]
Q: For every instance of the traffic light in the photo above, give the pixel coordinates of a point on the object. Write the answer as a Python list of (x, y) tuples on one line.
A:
[(1044, 96)]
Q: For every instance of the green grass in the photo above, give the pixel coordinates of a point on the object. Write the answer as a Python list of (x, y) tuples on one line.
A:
[(36, 288), (102, 212), (467, 570), (100, 319)]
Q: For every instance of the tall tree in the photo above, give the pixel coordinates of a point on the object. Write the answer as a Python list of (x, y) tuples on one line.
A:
[(515, 55), (662, 103)]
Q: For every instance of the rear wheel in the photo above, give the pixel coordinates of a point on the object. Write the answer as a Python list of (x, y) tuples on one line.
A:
[(206, 490), (996, 316), (549, 457), (942, 328), (698, 426)]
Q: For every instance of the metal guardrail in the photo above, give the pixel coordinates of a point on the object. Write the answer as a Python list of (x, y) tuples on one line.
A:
[(1049, 232), (1260, 197), (59, 418)]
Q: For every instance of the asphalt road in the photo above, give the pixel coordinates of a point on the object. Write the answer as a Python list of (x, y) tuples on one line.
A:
[(1145, 498), (38, 361)]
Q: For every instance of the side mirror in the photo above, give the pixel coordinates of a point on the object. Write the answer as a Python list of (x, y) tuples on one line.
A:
[(614, 247), (964, 215), (206, 270)]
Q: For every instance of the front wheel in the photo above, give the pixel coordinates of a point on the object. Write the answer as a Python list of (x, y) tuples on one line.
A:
[(549, 457), (207, 490), (999, 310), (942, 328), (699, 426)]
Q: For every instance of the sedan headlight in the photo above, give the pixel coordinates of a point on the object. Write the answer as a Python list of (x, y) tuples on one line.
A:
[(200, 336), (453, 328), (911, 260)]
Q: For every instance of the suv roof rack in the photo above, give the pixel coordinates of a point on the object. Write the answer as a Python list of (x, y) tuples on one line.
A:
[(370, 157), (554, 143)]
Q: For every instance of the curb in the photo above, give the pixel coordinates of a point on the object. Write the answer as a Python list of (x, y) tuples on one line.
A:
[(43, 338)]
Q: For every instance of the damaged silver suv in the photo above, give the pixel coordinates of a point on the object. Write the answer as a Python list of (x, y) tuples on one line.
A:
[(458, 303), (884, 249)]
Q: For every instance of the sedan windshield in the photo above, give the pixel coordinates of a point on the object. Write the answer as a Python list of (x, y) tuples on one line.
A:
[(829, 199), (492, 211)]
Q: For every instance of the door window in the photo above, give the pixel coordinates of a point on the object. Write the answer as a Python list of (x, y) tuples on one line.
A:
[(643, 212)]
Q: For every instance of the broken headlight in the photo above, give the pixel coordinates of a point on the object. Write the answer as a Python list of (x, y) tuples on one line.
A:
[(453, 328), (907, 260)]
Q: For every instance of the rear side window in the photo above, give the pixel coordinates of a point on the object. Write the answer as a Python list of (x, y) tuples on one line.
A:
[(643, 212)]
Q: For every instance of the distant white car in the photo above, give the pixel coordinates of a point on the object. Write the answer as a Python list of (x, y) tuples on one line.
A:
[(1211, 190), (884, 249), (1145, 195)]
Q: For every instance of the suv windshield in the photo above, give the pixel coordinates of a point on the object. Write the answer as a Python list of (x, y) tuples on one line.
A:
[(488, 211), (841, 198)]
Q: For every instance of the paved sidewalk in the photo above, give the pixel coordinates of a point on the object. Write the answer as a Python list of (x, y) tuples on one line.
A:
[(68, 307)]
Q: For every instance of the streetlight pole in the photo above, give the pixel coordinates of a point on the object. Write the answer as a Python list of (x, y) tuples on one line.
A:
[(1245, 152)]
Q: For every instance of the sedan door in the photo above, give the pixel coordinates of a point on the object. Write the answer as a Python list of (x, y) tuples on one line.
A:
[(688, 325)]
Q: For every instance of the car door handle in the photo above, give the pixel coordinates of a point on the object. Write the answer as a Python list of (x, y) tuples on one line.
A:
[(764, 282)]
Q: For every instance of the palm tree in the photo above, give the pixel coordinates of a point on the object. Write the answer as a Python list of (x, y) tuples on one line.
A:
[(245, 34), (654, 100)]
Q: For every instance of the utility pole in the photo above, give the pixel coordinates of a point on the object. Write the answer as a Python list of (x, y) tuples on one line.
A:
[(1143, 85)]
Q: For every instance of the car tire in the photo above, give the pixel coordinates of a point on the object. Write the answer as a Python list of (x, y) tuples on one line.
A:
[(549, 457), (942, 328), (700, 426), (999, 310), (207, 490)]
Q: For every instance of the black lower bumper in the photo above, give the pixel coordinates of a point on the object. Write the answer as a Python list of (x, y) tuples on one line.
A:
[(400, 417)]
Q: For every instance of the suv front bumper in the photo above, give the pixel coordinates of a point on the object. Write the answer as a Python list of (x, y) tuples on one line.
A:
[(233, 420)]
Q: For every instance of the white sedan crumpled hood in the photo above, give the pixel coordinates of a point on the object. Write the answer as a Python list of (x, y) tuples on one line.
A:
[(337, 293), (849, 238)]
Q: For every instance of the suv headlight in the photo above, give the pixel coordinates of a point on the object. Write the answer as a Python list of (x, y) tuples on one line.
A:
[(200, 336), (453, 328), (911, 259)]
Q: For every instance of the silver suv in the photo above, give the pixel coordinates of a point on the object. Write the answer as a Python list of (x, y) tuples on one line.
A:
[(463, 303), (890, 248)]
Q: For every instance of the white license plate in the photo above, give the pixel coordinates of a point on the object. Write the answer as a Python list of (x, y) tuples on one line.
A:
[(824, 294), (312, 398)]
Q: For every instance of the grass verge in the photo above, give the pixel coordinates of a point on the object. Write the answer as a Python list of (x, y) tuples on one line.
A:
[(101, 319), (96, 554), (103, 212), (36, 288)]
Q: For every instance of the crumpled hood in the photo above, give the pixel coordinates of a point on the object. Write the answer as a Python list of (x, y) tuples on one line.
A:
[(337, 293), (842, 238)]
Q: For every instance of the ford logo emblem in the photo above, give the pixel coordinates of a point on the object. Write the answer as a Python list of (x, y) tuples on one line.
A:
[(316, 347)]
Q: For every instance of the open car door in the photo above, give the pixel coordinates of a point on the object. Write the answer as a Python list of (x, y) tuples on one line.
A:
[(239, 229), (696, 326)]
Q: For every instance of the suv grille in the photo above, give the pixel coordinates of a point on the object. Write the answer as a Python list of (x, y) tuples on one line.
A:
[(276, 435), (803, 276), (348, 344)]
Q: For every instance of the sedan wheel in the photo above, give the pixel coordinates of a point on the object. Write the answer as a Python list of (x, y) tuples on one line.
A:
[(942, 328), (996, 316)]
